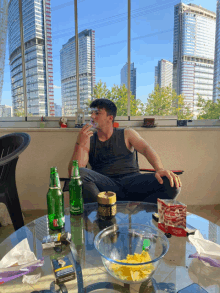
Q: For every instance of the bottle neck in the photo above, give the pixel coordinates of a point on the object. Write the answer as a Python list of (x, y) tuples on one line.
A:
[(75, 170), (54, 181)]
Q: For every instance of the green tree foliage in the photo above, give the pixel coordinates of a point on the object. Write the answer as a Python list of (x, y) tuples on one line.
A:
[(208, 109), (118, 95), (165, 102), (101, 91), (20, 113), (161, 102)]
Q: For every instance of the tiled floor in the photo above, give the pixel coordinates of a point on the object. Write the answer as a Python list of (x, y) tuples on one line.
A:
[(210, 212), (29, 216)]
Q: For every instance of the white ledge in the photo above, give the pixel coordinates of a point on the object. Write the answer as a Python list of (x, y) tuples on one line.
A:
[(179, 128)]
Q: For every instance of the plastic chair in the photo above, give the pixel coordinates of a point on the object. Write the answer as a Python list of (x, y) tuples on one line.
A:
[(116, 125), (11, 146)]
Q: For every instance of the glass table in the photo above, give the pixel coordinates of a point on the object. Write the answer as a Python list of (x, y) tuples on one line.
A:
[(175, 272)]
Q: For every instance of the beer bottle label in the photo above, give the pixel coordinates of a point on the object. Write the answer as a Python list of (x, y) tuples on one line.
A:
[(75, 209), (56, 221)]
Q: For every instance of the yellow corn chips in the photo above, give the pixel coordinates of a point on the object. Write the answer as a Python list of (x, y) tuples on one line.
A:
[(134, 273)]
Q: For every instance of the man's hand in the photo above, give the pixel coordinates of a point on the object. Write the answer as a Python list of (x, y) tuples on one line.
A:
[(173, 178), (84, 135)]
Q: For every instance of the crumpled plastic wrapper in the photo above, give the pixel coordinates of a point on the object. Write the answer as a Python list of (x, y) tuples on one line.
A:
[(207, 251), (19, 261), (31, 279)]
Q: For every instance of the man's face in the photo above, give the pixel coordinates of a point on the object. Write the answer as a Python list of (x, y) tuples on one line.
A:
[(100, 116)]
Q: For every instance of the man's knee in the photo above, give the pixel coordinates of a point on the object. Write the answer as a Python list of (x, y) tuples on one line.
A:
[(83, 172), (171, 191)]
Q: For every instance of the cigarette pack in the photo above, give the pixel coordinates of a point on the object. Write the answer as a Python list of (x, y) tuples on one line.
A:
[(172, 217), (63, 270), (56, 240)]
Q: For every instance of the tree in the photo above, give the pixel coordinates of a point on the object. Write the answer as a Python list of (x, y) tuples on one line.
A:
[(101, 90), (208, 109), (20, 113), (165, 102), (118, 95)]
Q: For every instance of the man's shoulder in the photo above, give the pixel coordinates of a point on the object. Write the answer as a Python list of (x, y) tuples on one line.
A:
[(128, 131)]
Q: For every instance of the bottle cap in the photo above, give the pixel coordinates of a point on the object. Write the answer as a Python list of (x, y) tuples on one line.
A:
[(106, 197)]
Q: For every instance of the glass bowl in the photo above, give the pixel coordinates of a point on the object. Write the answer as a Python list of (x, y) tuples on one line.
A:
[(125, 242)]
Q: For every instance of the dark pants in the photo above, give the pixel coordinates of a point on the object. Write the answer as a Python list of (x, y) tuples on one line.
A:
[(130, 187)]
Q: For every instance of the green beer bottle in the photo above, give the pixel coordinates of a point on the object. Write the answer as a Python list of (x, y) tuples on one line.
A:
[(55, 202), (75, 191), (77, 230), (78, 237)]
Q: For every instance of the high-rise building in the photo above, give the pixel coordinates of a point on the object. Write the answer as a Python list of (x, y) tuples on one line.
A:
[(216, 82), (124, 78), (3, 37), (193, 53), (86, 41), (5, 111), (163, 74), (38, 56), (58, 110)]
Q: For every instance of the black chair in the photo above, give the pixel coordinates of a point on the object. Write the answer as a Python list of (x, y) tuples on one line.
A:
[(11, 146)]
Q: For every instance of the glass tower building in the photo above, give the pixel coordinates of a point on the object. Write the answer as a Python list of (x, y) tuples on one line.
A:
[(86, 41), (3, 37), (38, 56), (216, 83), (163, 74), (193, 53), (124, 78)]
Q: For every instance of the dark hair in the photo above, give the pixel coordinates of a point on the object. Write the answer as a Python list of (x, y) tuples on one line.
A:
[(106, 104)]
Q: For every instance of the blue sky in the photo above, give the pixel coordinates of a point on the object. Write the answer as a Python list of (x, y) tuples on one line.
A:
[(151, 38)]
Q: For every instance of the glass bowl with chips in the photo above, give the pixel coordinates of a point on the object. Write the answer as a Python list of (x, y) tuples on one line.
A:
[(131, 253)]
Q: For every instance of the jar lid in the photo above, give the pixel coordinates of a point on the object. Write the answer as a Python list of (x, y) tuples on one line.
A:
[(106, 197)]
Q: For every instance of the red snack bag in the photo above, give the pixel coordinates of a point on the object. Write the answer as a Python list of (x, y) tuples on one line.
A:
[(172, 216)]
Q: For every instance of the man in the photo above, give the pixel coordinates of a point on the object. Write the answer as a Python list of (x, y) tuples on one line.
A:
[(111, 155)]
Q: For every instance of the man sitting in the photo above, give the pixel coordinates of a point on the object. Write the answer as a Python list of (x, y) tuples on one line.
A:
[(111, 154)]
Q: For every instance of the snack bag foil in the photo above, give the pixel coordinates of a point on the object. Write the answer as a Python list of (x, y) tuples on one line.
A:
[(172, 217)]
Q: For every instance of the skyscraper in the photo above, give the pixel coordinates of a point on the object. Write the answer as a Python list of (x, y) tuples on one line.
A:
[(3, 37), (124, 78), (193, 53), (5, 111), (58, 110), (86, 41), (38, 56), (216, 83), (164, 74)]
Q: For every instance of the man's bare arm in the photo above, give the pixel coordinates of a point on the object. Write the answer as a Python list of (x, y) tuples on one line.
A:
[(82, 147), (81, 154), (145, 149)]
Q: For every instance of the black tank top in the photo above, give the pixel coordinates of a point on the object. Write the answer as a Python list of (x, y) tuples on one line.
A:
[(111, 157)]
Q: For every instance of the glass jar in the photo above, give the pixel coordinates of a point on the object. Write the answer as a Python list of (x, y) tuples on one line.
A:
[(107, 207)]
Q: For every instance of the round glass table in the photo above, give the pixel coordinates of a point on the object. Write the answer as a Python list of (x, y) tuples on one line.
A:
[(175, 272)]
